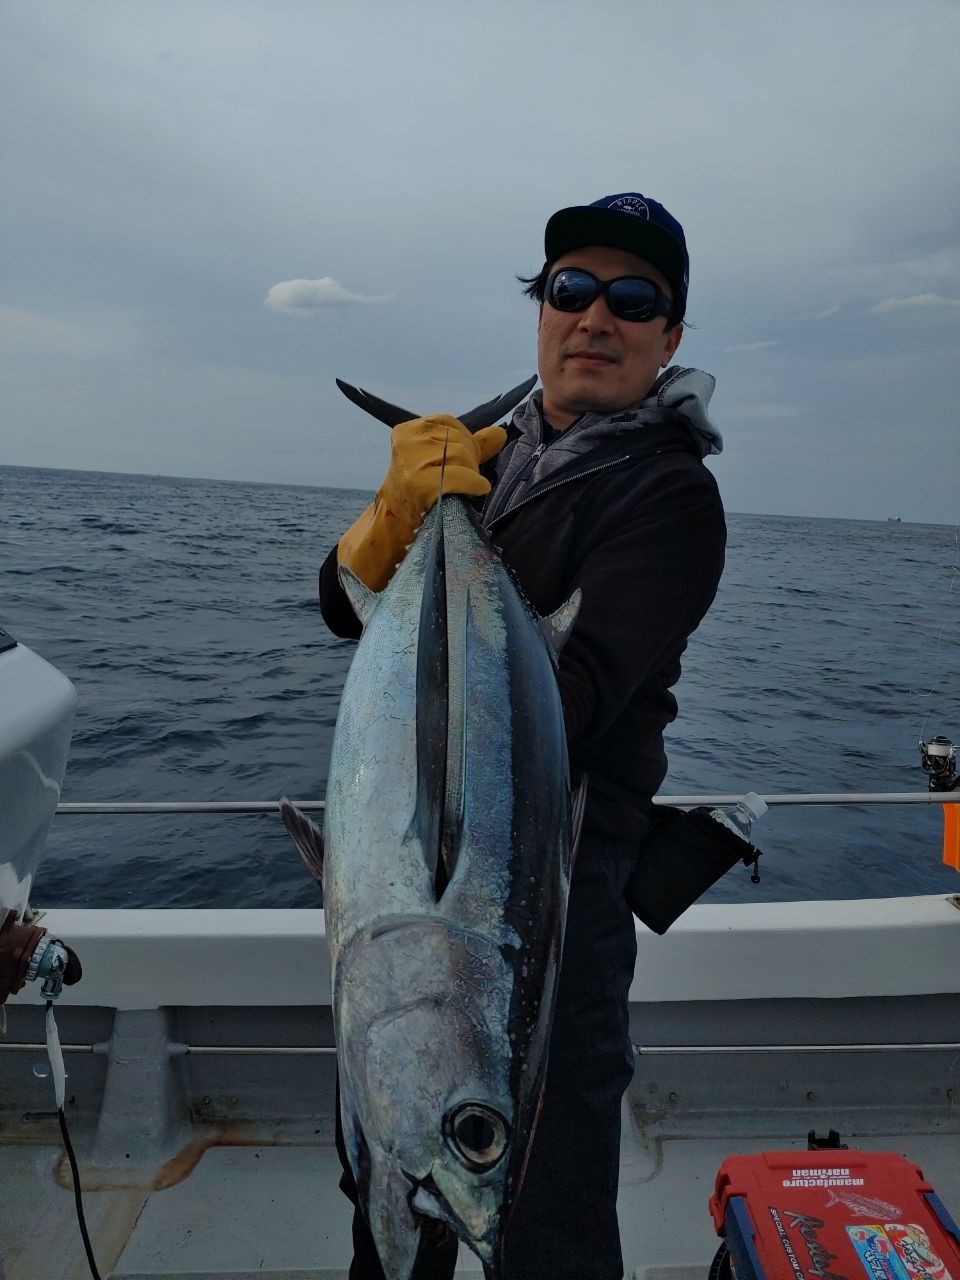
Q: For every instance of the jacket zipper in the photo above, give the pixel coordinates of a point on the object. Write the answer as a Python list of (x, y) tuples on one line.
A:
[(615, 462), (528, 466)]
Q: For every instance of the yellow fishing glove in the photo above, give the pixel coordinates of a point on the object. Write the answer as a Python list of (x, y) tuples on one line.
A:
[(377, 541)]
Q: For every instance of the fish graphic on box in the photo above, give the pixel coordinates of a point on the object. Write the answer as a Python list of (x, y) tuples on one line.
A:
[(916, 1252)]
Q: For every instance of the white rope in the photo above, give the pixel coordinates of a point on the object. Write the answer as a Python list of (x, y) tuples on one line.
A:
[(55, 1053)]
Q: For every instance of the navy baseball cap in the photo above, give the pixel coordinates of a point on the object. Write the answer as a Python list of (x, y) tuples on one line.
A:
[(627, 221)]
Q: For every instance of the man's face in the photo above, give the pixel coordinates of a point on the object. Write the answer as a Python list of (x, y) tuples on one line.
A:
[(590, 361)]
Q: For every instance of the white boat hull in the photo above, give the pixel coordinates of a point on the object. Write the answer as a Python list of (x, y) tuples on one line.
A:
[(199, 1053)]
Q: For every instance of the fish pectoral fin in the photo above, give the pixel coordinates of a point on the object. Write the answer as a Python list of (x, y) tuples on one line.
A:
[(307, 836), (557, 626), (363, 601), (579, 808)]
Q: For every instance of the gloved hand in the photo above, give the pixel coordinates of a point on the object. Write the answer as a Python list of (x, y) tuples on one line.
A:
[(377, 541)]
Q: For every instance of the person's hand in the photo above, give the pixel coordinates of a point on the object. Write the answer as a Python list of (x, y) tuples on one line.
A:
[(420, 449)]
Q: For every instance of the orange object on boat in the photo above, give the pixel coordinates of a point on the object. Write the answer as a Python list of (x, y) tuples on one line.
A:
[(951, 835)]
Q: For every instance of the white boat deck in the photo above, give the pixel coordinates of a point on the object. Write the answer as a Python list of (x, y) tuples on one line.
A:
[(275, 1211), (754, 1025)]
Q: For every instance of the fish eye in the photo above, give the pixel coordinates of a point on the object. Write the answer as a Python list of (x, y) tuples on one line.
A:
[(476, 1134)]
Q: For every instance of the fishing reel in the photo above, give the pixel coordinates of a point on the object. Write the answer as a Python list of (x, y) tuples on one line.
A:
[(938, 757), (28, 953)]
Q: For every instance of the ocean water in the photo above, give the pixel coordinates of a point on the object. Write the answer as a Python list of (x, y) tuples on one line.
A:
[(185, 613)]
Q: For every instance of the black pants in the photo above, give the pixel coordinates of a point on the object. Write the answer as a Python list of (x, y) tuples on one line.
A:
[(564, 1224)]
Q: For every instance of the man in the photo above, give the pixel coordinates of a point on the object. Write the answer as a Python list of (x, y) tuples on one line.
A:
[(598, 483)]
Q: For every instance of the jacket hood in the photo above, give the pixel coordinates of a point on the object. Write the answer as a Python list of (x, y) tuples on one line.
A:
[(688, 392), (678, 397), (677, 392)]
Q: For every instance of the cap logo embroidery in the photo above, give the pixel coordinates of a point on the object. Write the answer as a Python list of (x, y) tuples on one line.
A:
[(631, 204)]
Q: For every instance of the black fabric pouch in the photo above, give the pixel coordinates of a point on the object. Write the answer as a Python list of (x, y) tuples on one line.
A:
[(685, 853)]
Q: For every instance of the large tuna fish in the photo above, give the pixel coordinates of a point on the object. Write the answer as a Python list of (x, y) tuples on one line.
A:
[(445, 865)]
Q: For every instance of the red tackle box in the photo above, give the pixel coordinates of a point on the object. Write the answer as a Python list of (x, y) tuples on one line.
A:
[(834, 1215)]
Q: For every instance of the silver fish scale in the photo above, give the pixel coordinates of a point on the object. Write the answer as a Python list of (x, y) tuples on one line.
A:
[(441, 1004)]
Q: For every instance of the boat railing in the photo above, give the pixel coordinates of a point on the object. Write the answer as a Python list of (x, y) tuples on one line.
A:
[(813, 798)]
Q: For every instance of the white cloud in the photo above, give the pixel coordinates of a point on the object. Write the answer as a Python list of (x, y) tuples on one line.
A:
[(919, 301), (748, 346), (306, 297)]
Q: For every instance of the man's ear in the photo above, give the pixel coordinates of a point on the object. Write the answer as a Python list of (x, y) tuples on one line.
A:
[(671, 342)]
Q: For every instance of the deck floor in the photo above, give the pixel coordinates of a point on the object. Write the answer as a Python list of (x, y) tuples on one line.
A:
[(276, 1211)]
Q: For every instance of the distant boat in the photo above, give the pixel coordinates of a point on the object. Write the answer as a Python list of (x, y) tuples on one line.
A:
[(894, 520)]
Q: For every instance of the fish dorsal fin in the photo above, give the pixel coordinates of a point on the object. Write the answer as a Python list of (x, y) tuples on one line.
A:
[(432, 720), (557, 626), (307, 836), (443, 462), (363, 601)]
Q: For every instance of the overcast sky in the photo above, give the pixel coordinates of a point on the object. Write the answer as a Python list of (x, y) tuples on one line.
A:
[(211, 208)]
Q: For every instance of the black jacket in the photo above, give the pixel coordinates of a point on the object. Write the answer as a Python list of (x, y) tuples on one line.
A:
[(637, 524)]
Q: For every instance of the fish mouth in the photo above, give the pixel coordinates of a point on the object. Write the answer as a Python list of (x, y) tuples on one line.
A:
[(428, 1203)]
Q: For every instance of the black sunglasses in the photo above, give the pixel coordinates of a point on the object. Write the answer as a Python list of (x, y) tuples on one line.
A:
[(628, 297)]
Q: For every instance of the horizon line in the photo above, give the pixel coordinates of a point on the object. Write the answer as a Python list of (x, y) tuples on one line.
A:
[(293, 484)]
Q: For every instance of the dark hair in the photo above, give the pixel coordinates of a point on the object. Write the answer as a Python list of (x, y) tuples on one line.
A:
[(536, 290)]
